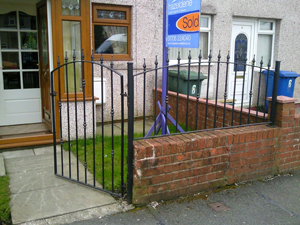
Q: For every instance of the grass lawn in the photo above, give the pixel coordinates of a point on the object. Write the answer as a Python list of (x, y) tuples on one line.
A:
[(108, 141), (5, 217)]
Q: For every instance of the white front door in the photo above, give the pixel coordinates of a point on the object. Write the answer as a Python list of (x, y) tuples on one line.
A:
[(242, 42), (20, 94)]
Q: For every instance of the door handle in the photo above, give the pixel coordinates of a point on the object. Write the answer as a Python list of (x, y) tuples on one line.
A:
[(45, 74)]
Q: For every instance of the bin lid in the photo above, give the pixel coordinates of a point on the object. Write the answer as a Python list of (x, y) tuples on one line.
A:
[(184, 74), (282, 73)]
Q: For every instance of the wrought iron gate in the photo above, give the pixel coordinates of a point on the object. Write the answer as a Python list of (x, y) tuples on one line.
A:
[(85, 153)]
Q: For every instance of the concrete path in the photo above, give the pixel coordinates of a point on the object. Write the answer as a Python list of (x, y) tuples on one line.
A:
[(273, 201), (38, 195)]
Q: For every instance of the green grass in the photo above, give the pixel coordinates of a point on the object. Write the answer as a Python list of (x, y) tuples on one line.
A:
[(107, 157), (5, 217)]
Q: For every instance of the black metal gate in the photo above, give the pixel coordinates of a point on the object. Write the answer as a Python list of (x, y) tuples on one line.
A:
[(85, 153)]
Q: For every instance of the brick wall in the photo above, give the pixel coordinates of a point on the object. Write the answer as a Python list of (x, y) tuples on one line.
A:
[(210, 112), (168, 167)]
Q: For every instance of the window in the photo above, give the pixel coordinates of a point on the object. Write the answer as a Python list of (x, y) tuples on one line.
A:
[(111, 32), (265, 42), (204, 40)]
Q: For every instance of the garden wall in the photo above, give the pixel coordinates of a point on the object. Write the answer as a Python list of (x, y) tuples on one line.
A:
[(210, 112), (168, 167)]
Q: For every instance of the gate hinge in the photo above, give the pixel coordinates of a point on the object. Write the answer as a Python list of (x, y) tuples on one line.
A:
[(125, 94), (53, 93)]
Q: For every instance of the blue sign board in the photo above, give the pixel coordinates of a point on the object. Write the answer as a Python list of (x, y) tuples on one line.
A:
[(183, 23)]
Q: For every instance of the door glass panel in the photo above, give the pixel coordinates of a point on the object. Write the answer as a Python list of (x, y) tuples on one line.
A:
[(27, 22), (11, 80), (30, 60), (110, 39), (71, 42), (8, 20), (240, 52), (10, 60), (29, 40), (70, 7), (31, 80), (9, 40)]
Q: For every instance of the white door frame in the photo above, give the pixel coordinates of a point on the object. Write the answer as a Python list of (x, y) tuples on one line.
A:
[(247, 27)]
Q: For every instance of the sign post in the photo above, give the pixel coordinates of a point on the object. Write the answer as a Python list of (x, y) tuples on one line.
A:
[(181, 24)]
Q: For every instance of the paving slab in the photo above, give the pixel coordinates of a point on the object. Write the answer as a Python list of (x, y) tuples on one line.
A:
[(2, 166), (38, 195), (18, 154), (44, 203)]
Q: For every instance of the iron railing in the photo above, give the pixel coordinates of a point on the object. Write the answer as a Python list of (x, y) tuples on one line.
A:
[(74, 158), (240, 110)]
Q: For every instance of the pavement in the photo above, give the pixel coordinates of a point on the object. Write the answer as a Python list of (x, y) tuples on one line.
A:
[(40, 197), (275, 200)]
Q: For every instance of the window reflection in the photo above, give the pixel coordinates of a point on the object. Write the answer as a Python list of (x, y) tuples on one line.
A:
[(11, 80), (9, 40), (8, 20), (10, 60)]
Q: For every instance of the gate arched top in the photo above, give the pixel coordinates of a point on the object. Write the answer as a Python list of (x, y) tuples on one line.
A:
[(87, 61)]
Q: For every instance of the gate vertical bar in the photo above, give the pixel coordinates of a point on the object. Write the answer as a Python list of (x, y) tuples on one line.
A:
[(274, 94), (198, 89), (207, 89), (93, 108), (177, 95), (130, 131), (53, 121), (112, 112), (60, 120), (84, 117), (122, 136), (217, 88), (102, 122), (225, 92), (188, 92)]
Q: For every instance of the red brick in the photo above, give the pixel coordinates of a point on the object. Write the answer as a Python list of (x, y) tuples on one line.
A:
[(200, 171), (183, 183), (252, 161), (237, 164), (263, 151), (285, 155), (235, 156), (152, 171), (193, 180), (159, 161), (201, 154), (269, 142), (267, 158), (201, 179), (254, 145), (210, 176), (229, 173), (157, 188), (140, 191), (182, 174), (220, 151), (289, 160), (249, 153), (219, 167), (238, 148), (162, 178), (180, 158)]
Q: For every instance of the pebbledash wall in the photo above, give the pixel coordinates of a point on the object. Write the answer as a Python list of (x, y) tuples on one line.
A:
[(168, 167)]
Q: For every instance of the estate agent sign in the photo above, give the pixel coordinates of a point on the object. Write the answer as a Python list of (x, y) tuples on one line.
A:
[(183, 23)]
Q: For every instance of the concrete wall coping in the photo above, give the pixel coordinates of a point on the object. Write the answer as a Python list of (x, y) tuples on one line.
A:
[(283, 99)]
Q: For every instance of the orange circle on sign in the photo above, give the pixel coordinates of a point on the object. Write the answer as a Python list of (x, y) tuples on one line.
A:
[(189, 22)]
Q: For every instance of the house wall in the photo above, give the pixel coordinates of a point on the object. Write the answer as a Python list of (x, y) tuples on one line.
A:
[(169, 167), (146, 42), (287, 25)]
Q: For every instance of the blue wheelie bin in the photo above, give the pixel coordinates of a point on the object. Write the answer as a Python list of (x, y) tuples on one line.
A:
[(286, 83)]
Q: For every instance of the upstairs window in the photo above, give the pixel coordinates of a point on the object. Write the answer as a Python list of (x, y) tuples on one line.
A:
[(111, 32)]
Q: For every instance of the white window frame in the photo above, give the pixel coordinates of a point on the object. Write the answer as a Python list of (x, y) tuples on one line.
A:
[(202, 30), (267, 32)]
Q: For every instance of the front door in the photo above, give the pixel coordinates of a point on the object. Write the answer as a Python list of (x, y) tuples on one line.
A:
[(241, 48), (44, 63), (20, 95)]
